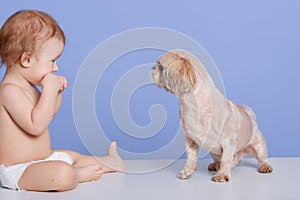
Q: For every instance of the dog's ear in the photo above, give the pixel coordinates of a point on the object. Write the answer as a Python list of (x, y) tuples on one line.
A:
[(187, 76), (188, 73), (181, 77)]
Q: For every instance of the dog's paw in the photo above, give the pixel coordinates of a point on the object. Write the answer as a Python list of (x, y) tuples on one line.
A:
[(221, 178), (213, 167), (186, 173), (265, 168), (183, 175)]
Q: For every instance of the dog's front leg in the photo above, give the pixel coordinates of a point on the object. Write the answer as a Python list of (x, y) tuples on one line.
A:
[(224, 174), (191, 158)]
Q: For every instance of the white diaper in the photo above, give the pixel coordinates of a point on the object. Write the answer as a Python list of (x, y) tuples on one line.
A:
[(10, 176)]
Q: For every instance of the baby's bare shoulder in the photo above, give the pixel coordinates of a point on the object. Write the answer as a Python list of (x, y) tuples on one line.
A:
[(9, 91), (9, 88)]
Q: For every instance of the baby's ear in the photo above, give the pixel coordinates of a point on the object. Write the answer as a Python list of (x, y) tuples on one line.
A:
[(26, 59)]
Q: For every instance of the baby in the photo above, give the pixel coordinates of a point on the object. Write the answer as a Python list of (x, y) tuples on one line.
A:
[(30, 44)]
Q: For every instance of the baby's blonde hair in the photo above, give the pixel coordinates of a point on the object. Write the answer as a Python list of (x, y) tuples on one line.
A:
[(23, 32)]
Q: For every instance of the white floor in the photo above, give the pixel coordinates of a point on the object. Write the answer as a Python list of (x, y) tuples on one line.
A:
[(246, 183)]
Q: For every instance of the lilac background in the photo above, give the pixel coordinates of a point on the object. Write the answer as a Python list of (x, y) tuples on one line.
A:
[(255, 45)]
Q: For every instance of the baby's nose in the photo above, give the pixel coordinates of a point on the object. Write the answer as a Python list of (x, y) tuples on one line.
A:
[(55, 68)]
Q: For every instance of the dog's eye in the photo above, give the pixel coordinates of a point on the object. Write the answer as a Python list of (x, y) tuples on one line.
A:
[(160, 67)]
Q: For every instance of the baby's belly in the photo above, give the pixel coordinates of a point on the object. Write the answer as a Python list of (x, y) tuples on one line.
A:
[(25, 149)]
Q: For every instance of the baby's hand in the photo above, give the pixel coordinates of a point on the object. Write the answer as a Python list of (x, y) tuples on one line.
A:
[(64, 82), (52, 82)]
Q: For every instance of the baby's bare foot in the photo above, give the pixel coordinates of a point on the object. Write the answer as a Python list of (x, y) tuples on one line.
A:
[(89, 173), (116, 161), (112, 162)]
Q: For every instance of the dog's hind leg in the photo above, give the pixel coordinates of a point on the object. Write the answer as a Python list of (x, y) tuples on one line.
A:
[(191, 158), (258, 146), (258, 149), (215, 166)]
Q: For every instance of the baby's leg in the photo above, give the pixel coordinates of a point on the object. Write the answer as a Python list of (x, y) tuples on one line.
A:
[(112, 162), (49, 175), (89, 173)]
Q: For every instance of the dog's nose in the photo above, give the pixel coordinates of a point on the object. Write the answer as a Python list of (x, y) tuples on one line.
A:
[(153, 67)]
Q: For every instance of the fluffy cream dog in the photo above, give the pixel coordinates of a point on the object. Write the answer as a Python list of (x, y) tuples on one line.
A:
[(209, 120)]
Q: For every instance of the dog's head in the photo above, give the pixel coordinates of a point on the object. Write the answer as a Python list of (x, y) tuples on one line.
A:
[(174, 73)]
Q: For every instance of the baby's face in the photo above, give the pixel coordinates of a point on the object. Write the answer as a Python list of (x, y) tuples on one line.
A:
[(44, 61)]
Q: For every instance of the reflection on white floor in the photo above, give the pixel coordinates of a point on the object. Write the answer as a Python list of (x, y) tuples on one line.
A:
[(246, 183)]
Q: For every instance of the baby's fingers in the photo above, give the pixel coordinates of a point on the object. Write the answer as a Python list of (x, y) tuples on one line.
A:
[(63, 82)]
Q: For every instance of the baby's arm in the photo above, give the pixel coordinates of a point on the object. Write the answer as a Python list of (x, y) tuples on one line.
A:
[(34, 119), (58, 101), (59, 94)]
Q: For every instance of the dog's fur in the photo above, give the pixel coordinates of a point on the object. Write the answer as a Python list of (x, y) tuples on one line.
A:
[(227, 130)]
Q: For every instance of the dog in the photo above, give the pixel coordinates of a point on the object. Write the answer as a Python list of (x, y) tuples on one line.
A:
[(209, 120)]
